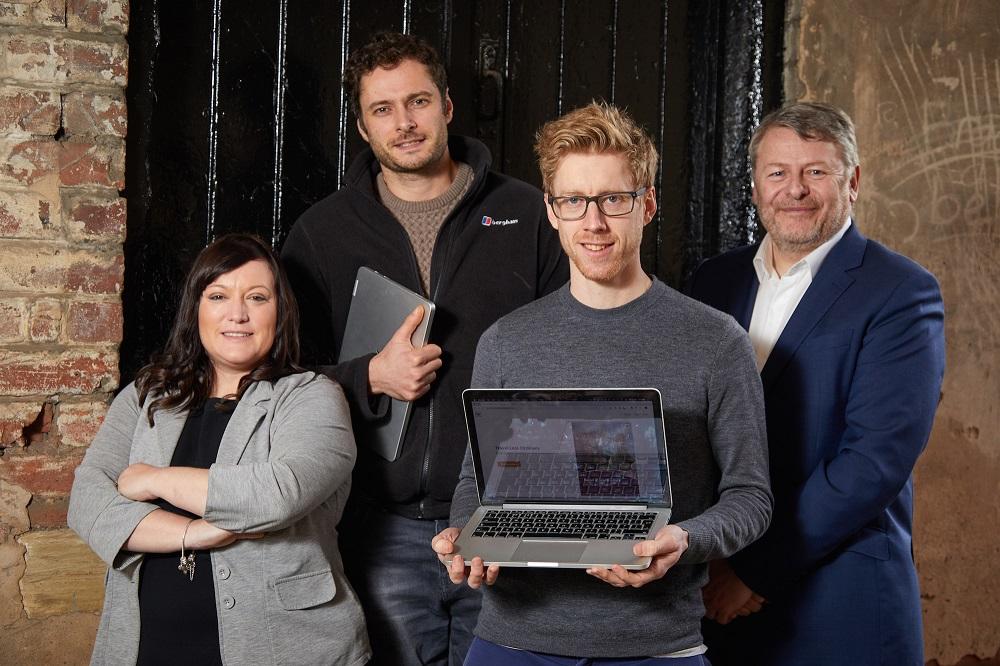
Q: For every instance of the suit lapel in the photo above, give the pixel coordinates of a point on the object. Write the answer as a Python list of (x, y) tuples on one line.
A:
[(249, 412), (829, 283), (745, 295)]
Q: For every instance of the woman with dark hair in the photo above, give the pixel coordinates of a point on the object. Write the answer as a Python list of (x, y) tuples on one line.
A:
[(215, 484)]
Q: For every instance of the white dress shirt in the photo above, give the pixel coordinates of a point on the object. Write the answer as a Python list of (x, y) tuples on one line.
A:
[(779, 295)]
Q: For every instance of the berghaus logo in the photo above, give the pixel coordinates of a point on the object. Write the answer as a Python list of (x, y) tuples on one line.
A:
[(490, 222)]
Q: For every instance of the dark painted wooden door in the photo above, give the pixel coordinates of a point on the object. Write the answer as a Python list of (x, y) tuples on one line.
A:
[(238, 121)]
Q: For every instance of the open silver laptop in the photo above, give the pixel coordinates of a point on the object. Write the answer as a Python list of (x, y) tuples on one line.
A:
[(566, 477)]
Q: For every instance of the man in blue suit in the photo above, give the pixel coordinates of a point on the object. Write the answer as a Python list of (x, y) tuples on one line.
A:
[(849, 340)]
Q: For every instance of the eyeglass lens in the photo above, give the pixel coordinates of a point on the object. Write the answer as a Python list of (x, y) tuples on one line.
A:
[(613, 204)]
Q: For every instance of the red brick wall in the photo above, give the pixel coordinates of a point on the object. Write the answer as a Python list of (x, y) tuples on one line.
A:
[(63, 66)]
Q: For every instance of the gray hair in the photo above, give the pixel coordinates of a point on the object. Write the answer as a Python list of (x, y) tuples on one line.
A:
[(812, 121)]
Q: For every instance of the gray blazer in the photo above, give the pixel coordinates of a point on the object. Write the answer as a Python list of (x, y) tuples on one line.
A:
[(284, 467)]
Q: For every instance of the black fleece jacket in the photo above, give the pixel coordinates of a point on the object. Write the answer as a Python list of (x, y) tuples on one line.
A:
[(495, 252)]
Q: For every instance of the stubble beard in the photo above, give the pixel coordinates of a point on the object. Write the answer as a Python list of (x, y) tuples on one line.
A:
[(809, 239), (384, 155), (600, 274), (607, 272)]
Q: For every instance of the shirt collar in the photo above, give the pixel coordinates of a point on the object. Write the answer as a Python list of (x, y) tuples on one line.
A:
[(763, 260)]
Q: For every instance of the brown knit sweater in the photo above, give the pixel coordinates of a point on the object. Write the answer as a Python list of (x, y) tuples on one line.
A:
[(423, 219)]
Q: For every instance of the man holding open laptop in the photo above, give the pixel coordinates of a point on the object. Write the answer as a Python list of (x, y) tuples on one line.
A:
[(615, 326)]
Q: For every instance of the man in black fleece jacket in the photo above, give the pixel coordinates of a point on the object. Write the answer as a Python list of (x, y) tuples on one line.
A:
[(425, 210)]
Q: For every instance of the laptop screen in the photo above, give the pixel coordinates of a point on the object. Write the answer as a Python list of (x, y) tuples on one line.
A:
[(572, 446)]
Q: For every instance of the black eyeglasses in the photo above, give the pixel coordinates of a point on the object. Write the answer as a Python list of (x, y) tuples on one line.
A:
[(612, 204)]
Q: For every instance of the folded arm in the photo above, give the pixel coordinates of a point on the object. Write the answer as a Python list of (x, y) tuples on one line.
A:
[(164, 532), (102, 517), (311, 457)]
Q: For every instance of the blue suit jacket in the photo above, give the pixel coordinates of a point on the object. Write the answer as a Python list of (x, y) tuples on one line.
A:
[(850, 388)]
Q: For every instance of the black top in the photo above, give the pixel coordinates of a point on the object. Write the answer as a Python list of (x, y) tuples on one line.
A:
[(177, 616)]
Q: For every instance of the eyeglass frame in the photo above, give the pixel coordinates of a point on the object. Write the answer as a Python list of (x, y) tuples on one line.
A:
[(596, 199)]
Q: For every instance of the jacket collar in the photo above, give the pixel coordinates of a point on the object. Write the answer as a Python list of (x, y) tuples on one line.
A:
[(248, 414), (832, 279)]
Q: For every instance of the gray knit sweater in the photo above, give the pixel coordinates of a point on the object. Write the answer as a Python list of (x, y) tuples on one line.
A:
[(703, 364)]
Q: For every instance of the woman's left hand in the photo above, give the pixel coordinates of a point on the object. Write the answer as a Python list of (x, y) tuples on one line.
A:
[(135, 483)]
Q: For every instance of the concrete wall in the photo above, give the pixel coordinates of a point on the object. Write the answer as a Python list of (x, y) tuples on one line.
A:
[(921, 78)]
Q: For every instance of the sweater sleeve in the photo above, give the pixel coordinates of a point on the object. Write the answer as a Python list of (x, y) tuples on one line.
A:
[(485, 374), (738, 436)]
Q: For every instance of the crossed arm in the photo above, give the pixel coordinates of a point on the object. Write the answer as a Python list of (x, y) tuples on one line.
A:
[(311, 453), (162, 531), (114, 521)]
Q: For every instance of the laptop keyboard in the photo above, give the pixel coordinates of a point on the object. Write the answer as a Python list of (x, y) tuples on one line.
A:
[(618, 525)]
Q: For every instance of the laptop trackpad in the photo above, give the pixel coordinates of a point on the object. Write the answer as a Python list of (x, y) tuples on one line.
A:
[(549, 551)]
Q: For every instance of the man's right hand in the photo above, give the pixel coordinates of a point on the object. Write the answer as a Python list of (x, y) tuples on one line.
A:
[(727, 597), (400, 370), (476, 574)]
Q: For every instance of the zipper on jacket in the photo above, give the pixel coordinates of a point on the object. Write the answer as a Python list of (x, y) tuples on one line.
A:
[(425, 470), (448, 225), (430, 405), (435, 288), (414, 266)]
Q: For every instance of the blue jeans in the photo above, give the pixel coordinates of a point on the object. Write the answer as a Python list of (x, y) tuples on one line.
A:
[(415, 614), (485, 653)]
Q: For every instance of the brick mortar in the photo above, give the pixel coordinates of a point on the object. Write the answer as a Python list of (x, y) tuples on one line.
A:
[(95, 244), (107, 37), (92, 247), (63, 88), (58, 347), (73, 190), (100, 191), (63, 297), (74, 399), (58, 398)]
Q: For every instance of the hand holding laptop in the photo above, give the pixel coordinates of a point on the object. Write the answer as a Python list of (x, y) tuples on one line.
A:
[(567, 478), (666, 549), (668, 546), (400, 370), (444, 545), (394, 323)]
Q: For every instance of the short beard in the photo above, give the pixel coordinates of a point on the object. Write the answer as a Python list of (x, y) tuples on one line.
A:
[(388, 162), (826, 229), (604, 275)]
